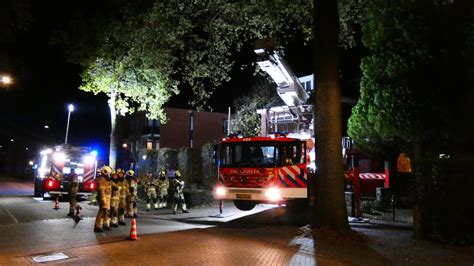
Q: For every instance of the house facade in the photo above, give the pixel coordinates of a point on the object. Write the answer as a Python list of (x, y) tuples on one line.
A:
[(184, 128)]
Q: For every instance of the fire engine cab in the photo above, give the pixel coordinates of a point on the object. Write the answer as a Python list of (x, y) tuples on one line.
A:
[(53, 175), (261, 170)]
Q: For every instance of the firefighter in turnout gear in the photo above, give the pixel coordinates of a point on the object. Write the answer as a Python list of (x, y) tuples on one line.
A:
[(131, 200), (104, 188), (177, 186), (114, 201), (73, 190), (163, 185), (151, 187), (123, 196)]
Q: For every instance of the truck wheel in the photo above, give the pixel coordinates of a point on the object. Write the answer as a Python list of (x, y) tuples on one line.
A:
[(244, 205)]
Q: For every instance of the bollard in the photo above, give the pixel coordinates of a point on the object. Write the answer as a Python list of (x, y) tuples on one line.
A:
[(56, 203), (221, 211), (357, 196), (386, 182), (393, 207)]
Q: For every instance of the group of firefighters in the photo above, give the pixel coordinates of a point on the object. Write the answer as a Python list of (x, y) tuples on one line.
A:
[(118, 190)]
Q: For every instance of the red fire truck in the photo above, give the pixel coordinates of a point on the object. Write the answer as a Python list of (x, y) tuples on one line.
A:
[(53, 175), (262, 170)]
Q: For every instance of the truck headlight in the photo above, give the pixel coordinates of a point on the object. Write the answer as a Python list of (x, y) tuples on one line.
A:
[(273, 194), (220, 192)]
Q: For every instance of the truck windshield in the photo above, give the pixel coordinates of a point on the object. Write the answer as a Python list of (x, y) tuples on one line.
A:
[(262, 154), (248, 154)]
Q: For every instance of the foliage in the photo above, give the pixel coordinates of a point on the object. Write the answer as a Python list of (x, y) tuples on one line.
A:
[(81, 27), (413, 76), (350, 15), (190, 165), (130, 81), (445, 193), (167, 159), (209, 167), (150, 163), (247, 120), (198, 41)]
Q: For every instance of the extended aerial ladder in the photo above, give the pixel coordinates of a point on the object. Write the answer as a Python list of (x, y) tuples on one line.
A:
[(295, 115)]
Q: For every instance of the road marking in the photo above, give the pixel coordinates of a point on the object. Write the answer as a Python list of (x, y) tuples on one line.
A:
[(10, 214)]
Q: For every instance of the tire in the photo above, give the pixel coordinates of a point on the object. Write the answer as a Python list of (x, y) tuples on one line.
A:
[(244, 205)]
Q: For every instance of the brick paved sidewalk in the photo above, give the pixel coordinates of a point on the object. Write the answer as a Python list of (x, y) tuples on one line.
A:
[(192, 247)]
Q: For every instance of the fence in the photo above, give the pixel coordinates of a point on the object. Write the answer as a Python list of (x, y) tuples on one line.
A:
[(380, 207)]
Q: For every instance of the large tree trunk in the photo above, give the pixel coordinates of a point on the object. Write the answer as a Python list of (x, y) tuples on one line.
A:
[(113, 137), (330, 207)]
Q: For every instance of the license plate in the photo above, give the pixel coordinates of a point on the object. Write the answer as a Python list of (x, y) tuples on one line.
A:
[(244, 196)]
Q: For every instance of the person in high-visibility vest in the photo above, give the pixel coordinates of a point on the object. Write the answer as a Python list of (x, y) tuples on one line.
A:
[(151, 187), (122, 196), (104, 188), (73, 190), (163, 185), (131, 199), (177, 186), (114, 201)]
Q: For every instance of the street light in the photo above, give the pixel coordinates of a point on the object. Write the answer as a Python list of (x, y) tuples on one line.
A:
[(70, 108), (6, 80)]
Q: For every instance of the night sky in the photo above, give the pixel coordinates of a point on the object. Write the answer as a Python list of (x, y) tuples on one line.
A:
[(45, 84)]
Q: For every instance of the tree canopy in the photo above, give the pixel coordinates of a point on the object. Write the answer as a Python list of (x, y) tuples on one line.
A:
[(414, 77), (247, 120), (176, 46)]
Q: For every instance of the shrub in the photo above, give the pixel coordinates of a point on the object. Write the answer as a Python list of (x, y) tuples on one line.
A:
[(167, 159), (209, 167), (190, 165)]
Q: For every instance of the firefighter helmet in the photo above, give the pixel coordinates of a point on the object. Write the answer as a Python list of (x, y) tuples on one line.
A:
[(106, 170), (177, 173), (162, 173), (130, 173), (120, 171)]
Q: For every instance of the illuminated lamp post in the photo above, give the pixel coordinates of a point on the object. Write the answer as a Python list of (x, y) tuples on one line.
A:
[(70, 109)]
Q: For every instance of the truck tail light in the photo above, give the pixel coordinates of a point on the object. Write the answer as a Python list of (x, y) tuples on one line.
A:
[(92, 185), (50, 183)]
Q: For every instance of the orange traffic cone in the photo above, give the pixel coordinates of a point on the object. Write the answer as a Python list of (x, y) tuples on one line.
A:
[(133, 230), (56, 204)]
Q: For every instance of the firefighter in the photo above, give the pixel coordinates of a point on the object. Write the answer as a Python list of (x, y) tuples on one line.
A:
[(177, 186), (163, 185), (150, 187), (123, 196), (114, 201), (131, 199), (73, 190), (104, 188)]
